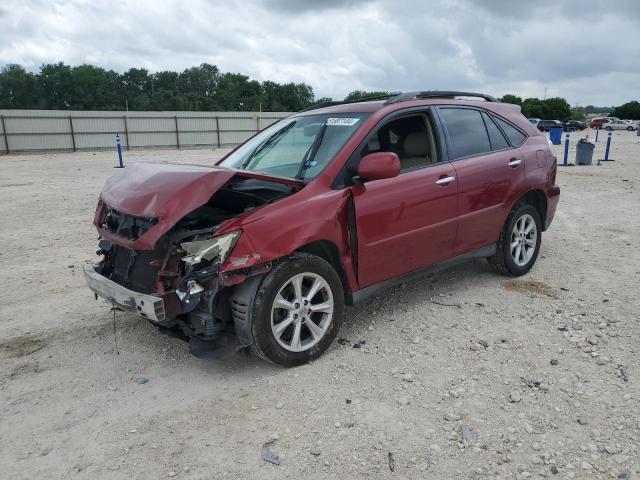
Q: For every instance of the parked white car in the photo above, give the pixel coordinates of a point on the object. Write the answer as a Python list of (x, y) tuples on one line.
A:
[(619, 125)]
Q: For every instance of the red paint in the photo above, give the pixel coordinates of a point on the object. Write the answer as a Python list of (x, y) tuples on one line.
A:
[(378, 166), (404, 222), (488, 187), (166, 192)]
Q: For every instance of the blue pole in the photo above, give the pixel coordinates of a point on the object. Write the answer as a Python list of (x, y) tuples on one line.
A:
[(121, 163), (566, 150), (597, 132), (606, 152)]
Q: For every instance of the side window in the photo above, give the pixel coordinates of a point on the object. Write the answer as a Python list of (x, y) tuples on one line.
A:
[(498, 142), (409, 137), (515, 136), (467, 132)]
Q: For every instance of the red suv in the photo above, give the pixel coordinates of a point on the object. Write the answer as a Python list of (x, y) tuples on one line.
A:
[(319, 210)]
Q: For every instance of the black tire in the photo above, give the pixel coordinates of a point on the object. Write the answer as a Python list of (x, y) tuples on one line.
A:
[(630, 128), (609, 129), (542, 129), (502, 260), (264, 343)]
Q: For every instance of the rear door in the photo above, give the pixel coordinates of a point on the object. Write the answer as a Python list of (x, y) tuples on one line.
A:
[(407, 222), (489, 169)]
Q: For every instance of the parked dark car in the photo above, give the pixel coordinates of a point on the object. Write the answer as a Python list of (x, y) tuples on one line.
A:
[(546, 125), (320, 210), (573, 125)]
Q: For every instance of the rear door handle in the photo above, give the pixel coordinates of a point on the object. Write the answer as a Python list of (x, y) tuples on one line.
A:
[(445, 180), (514, 162)]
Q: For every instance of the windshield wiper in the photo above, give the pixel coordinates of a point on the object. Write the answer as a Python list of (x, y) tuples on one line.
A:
[(310, 154), (267, 144)]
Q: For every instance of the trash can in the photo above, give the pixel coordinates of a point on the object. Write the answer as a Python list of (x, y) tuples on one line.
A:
[(556, 135), (584, 152)]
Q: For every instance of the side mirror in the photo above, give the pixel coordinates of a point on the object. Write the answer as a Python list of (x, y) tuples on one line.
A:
[(379, 165)]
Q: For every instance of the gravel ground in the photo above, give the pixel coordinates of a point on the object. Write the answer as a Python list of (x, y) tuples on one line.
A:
[(465, 374)]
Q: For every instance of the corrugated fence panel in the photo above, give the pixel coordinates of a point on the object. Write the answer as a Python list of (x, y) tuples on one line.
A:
[(98, 132), (3, 145), (51, 130)]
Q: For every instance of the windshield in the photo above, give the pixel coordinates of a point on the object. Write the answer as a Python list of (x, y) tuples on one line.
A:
[(297, 147)]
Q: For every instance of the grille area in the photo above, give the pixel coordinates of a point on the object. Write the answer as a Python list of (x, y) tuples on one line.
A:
[(131, 268)]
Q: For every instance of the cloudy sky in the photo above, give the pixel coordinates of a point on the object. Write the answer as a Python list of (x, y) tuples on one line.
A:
[(586, 51)]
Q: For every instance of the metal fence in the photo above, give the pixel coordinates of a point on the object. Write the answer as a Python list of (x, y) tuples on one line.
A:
[(61, 130)]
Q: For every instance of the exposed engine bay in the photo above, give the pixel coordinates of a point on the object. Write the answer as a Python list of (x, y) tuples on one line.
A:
[(183, 268)]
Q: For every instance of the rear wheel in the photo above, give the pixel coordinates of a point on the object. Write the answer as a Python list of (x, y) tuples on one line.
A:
[(609, 129), (519, 243), (630, 128), (297, 311)]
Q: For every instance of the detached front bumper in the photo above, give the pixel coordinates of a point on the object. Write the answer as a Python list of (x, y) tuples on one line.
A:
[(147, 306)]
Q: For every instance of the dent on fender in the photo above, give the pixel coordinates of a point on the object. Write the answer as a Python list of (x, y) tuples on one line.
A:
[(332, 225)]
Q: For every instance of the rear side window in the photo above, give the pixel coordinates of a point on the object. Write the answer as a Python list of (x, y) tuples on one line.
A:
[(498, 142), (516, 137), (467, 132)]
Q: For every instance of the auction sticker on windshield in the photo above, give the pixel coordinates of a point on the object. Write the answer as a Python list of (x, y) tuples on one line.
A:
[(342, 122)]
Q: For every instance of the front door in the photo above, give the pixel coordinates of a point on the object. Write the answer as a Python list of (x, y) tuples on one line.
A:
[(408, 222)]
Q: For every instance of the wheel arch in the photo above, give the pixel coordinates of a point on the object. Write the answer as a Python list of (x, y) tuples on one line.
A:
[(328, 251), (538, 200)]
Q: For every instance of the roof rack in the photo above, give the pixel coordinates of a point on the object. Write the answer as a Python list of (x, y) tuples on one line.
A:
[(404, 97), (342, 102)]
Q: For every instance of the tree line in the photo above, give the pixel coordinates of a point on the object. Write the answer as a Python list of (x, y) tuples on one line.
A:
[(201, 88), (558, 108), (57, 86), (555, 108)]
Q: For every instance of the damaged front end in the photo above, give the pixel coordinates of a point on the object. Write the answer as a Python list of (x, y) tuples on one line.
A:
[(168, 269)]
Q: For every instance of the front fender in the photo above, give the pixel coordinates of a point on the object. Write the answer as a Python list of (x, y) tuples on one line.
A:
[(281, 231)]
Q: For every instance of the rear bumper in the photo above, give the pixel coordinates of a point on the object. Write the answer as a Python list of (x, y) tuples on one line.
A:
[(146, 306)]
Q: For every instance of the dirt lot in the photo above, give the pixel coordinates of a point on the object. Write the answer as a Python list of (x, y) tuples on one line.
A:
[(540, 373)]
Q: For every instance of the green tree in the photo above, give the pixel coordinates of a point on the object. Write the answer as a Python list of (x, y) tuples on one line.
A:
[(578, 113), (627, 111), (18, 88), (277, 97), (93, 88), (204, 87), (533, 108), (557, 108), (509, 98), (56, 85), (362, 94), (236, 92)]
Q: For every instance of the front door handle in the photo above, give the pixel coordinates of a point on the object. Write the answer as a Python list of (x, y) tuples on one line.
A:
[(445, 180), (514, 162)]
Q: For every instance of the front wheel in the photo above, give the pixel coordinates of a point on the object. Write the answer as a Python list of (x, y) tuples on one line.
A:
[(519, 243), (630, 128), (297, 311), (609, 129)]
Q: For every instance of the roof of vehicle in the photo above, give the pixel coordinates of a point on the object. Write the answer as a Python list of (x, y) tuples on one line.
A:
[(410, 99)]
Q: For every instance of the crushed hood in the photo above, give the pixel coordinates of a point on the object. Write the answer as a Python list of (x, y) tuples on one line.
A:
[(166, 192), (162, 190)]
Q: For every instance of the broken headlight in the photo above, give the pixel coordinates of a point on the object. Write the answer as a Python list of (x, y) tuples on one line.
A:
[(210, 248)]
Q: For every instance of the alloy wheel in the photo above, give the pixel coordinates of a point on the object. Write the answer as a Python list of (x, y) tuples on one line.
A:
[(524, 237), (302, 312)]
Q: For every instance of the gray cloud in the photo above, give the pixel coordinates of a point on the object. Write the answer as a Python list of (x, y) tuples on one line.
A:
[(585, 51)]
